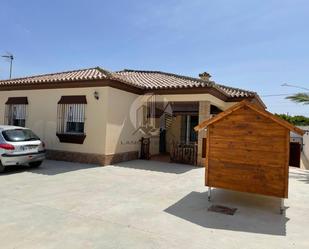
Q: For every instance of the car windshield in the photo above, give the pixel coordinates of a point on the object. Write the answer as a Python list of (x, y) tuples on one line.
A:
[(19, 135)]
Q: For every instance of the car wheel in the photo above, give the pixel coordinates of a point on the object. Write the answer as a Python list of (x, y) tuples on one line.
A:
[(35, 164), (1, 167)]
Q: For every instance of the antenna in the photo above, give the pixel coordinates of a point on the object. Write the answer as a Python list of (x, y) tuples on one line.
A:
[(11, 58)]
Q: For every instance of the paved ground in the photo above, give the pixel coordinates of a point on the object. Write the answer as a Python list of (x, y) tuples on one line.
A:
[(142, 204)]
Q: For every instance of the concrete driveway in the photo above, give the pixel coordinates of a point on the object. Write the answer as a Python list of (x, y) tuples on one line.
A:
[(142, 204)]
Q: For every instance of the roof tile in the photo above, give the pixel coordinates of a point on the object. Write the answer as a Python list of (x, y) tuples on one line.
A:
[(75, 75), (146, 80), (161, 80)]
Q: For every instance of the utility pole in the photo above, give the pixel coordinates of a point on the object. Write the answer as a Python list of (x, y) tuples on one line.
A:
[(11, 58)]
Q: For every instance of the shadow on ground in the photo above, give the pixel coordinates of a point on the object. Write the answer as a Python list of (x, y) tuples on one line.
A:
[(302, 176), (255, 214), (162, 167), (48, 168)]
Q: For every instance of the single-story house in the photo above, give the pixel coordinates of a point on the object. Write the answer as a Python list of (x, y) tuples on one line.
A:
[(98, 116)]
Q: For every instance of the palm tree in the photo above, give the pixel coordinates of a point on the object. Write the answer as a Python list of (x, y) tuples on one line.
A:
[(300, 98)]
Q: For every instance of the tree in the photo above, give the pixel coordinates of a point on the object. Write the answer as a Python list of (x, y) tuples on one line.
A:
[(300, 98), (295, 120)]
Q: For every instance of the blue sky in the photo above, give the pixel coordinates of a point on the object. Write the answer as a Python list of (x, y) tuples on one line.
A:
[(256, 45)]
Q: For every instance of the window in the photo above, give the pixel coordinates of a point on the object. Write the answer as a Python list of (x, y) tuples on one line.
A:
[(16, 111), (188, 134), (71, 119), (74, 116), (193, 133)]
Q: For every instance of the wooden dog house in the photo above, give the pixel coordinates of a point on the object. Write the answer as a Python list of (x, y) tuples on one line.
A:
[(248, 150)]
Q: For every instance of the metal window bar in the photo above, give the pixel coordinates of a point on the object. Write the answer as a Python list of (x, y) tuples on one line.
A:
[(74, 113), (15, 114)]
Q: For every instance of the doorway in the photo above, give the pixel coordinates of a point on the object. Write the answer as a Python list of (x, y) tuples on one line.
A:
[(295, 151)]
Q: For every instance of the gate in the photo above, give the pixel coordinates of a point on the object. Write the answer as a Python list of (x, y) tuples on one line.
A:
[(184, 153)]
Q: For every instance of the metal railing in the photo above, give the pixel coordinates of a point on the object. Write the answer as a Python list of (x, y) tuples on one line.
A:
[(184, 153)]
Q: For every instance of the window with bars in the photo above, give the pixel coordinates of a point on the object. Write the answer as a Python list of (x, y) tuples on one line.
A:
[(71, 115), (16, 111)]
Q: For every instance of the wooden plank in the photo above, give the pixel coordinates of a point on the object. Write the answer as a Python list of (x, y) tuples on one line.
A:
[(208, 138), (249, 139), (245, 178), (276, 119), (242, 115), (248, 151), (223, 168), (248, 124), (286, 166), (246, 131), (248, 156), (244, 145)]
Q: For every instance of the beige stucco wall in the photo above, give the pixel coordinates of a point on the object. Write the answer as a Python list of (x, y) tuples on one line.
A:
[(121, 119), (121, 123), (110, 121), (42, 116)]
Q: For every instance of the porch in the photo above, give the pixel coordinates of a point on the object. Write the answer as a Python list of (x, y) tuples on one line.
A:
[(176, 141)]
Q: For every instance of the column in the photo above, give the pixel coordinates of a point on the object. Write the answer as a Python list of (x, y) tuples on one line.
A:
[(204, 113)]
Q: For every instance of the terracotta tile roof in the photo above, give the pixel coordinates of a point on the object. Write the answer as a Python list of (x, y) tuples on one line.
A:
[(144, 80), (162, 80), (75, 75)]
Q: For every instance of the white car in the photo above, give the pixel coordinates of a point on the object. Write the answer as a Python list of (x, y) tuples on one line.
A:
[(20, 146)]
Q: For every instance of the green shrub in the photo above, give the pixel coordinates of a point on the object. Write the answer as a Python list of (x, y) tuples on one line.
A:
[(295, 120)]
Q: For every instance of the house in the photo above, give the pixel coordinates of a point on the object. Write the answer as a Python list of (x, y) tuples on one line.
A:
[(248, 150), (98, 116)]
